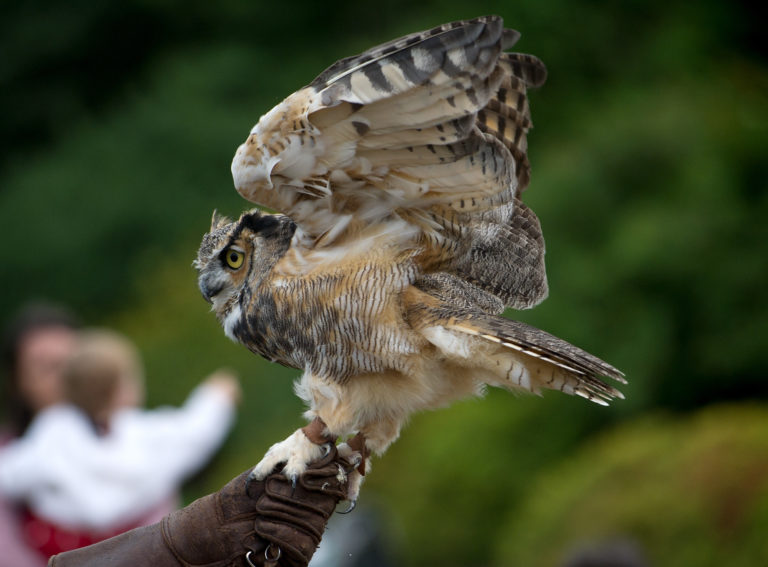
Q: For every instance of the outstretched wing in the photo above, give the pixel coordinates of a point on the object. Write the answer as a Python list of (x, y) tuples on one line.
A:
[(428, 130)]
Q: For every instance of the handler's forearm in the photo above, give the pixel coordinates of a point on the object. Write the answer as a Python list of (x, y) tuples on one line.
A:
[(262, 521), (142, 546)]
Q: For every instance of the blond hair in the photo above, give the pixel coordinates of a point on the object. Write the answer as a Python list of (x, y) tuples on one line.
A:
[(102, 363)]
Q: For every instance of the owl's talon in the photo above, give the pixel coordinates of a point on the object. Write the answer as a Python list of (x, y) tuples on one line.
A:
[(352, 506), (327, 448)]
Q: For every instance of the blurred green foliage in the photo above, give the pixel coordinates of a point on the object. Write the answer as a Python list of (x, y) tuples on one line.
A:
[(689, 492), (118, 125)]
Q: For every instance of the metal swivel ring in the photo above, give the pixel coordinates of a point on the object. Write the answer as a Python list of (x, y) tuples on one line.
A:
[(266, 555)]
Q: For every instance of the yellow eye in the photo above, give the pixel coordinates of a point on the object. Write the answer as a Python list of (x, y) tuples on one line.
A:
[(234, 258)]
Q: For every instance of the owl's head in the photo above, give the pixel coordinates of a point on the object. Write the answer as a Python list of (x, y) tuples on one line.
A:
[(234, 256)]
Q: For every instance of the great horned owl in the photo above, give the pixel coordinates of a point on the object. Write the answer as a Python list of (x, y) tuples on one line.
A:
[(399, 172)]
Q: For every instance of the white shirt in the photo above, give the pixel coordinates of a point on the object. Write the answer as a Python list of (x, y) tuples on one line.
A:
[(70, 476)]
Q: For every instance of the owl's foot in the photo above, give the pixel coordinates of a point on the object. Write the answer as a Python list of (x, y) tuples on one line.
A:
[(309, 444), (297, 451)]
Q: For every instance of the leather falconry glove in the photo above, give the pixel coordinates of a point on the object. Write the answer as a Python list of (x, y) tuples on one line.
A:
[(258, 523)]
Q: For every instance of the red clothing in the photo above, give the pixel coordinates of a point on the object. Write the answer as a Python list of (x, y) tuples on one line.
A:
[(50, 539)]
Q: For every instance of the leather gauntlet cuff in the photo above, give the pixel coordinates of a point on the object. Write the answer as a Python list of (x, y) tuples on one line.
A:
[(269, 522)]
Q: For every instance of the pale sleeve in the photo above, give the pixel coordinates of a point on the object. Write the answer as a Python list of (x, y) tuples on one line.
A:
[(176, 442)]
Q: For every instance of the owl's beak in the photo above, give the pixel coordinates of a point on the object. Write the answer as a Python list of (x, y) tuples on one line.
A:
[(208, 290), (205, 294)]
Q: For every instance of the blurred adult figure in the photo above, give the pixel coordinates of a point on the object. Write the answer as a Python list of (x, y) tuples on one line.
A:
[(36, 345), (98, 464)]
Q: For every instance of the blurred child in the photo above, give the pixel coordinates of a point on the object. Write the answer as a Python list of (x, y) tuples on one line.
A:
[(99, 465)]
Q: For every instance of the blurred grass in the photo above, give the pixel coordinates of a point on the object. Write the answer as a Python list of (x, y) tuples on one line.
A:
[(649, 177)]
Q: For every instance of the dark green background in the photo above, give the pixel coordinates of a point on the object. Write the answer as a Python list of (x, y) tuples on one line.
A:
[(119, 122)]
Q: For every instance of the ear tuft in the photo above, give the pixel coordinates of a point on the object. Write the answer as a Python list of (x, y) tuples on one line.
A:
[(217, 221)]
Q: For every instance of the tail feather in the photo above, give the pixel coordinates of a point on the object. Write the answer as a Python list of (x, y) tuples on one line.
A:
[(550, 362), (539, 344), (525, 356)]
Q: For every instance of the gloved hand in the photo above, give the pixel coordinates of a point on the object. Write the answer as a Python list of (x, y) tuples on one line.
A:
[(265, 523)]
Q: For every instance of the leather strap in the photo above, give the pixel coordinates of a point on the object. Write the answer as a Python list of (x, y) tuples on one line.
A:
[(317, 432)]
